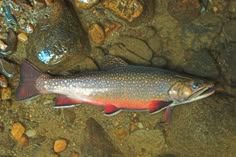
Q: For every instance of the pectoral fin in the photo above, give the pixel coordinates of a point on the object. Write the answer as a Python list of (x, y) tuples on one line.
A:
[(65, 102), (158, 105), (111, 110)]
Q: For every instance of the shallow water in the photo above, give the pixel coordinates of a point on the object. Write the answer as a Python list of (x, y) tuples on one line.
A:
[(166, 35)]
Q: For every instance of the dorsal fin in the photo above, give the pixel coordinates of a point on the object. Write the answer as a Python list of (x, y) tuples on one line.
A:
[(110, 62)]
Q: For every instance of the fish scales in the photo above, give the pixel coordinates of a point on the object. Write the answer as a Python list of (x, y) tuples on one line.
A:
[(126, 87)]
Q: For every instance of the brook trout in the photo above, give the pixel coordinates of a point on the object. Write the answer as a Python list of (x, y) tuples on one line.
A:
[(123, 87)]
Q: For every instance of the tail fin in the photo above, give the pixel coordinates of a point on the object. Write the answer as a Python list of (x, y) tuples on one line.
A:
[(28, 77)]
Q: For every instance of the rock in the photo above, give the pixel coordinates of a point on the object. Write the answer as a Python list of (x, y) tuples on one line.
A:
[(29, 28), (204, 128), (95, 142), (232, 8), (111, 27), (3, 45), (49, 2), (126, 9), (5, 93), (30, 133), (152, 141), (85, 4), (88, 65), (121, 51), (17, 130), (98, 56), (74, 155), (23, 141), (201, 64), (63, 41), (121, 133), (159, 62), (96, 34), (60, 145), (3, 81), (69, 115), (22, 37), (229, 30), (155, 44), (184, 11)]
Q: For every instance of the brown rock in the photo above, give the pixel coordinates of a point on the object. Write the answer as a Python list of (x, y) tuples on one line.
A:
[(3, 81), (96, 33), (126, 9), (17, 130), (111, 27), (22, 37), (74, 155), (184, 10), (5, 93), (49, 2), (85, 4), (23, 141), (60, 145), (121, 133)]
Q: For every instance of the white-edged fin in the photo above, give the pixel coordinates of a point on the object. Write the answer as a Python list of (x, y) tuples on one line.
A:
[(63, 101), (111, 110), (66, 106), (110, 62)]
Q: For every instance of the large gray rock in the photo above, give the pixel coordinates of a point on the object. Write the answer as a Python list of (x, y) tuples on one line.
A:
[(96, 142), (204, 128), (58, 39)]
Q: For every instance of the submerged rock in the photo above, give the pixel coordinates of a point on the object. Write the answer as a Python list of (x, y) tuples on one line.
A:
[(58, 39), (229, 30), (85, 4), (200, 64), (126, 9), (96, 142), (204, 128), (184, 11)]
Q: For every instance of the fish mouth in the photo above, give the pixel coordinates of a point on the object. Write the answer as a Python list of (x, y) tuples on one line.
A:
[(202, 93)]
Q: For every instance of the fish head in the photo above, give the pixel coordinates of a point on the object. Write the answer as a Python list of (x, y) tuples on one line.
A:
[(190, 90)]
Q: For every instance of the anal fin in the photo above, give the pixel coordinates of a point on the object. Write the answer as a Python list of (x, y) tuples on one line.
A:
[(65, 102)]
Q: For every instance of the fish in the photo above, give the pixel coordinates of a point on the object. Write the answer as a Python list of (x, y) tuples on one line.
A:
[(116, 88)]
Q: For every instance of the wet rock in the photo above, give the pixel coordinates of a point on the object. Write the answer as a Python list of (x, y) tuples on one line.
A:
[(22, 37), (95, 142), (232, 8), (200, 64), (226, 58), (5, 93), (155, 44), (111, 27), (60, 145), (184, 11), (69, 115), (152, 141), (126, 9), (3, 81), (200, 33), (85, 4), (229, 30), (30, 133), (17, 130), (121, 51), (88, 65), (204, 128), (49, 2), (98, 56), (159, 62), (132, 49), (62, 41), (96, 34), (23, 141)]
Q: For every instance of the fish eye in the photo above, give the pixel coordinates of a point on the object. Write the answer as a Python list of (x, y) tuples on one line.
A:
[(195, 85)]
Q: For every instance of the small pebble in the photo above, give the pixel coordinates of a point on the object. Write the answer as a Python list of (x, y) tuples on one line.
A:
[(54, 155), (74, 155), (22, 37), (96, 33), (3, 46), (3, 81), (140, 125), (17, 130), (5, 93), (215, 9), (30, 133), (60, 145), (49, 2), (23, 141), (29, 28)]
